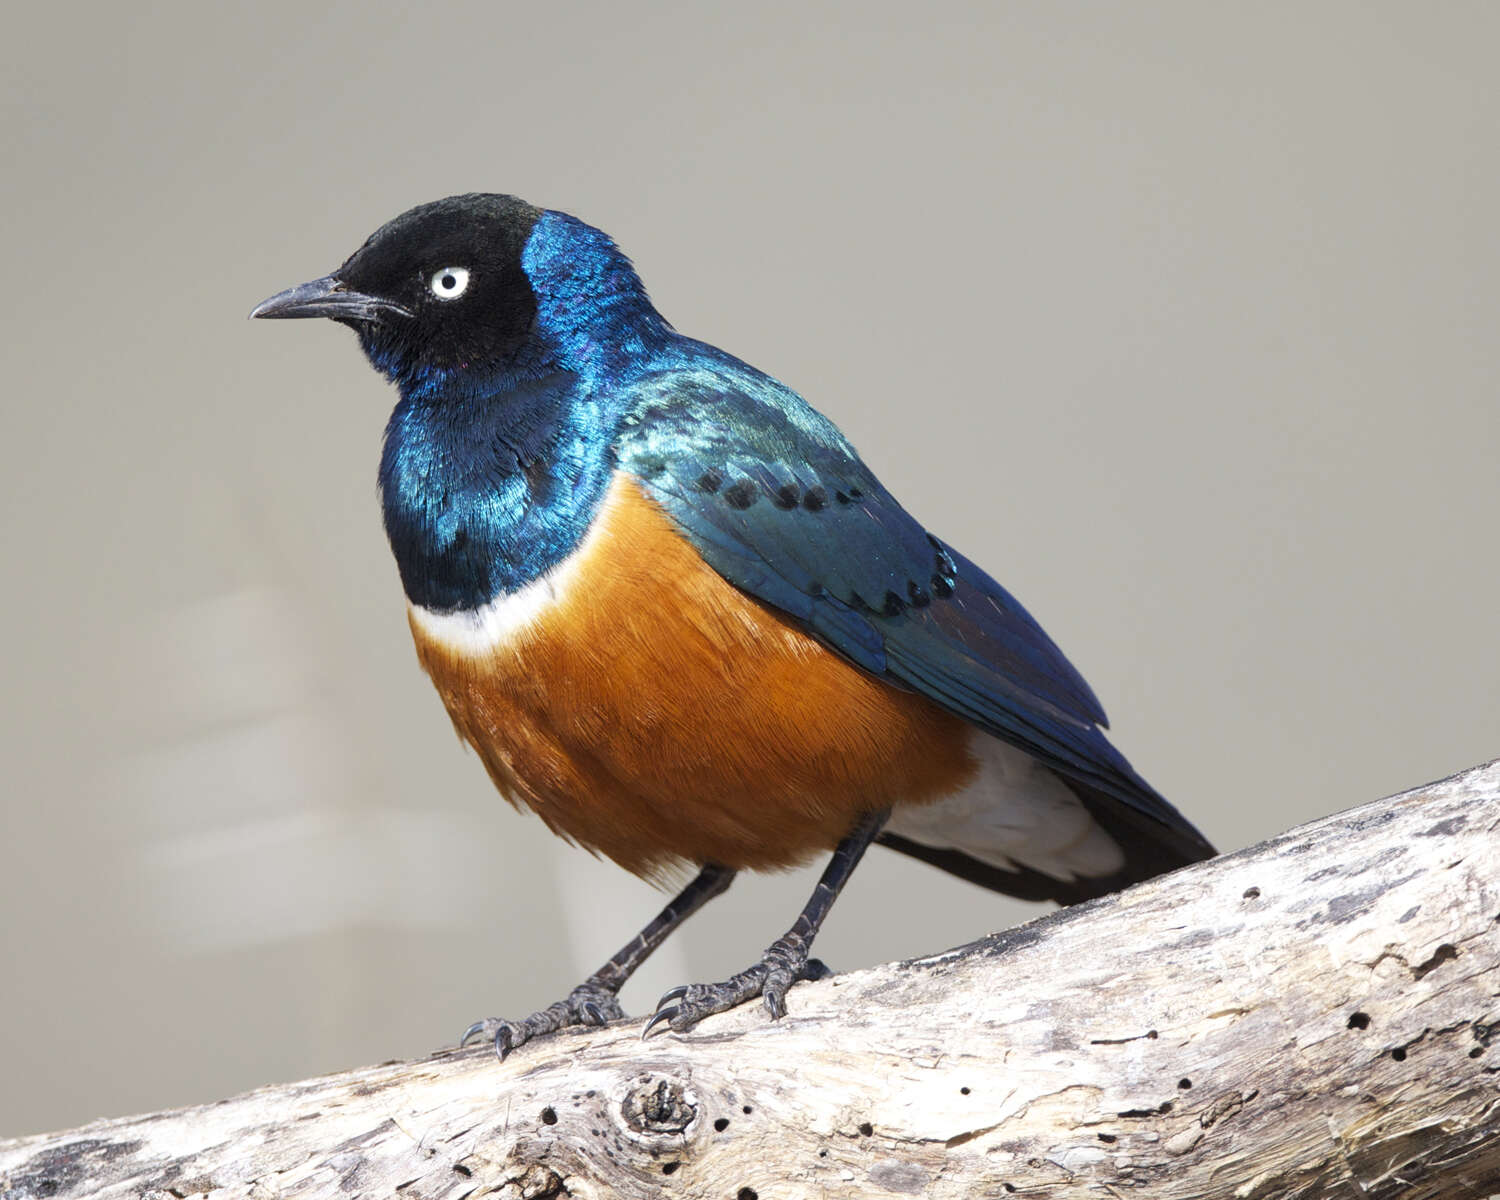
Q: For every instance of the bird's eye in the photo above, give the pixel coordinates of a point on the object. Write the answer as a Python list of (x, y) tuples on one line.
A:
[(450, 283)]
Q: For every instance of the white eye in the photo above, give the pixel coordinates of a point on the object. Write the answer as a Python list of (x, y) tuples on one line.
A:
[(450, 283)]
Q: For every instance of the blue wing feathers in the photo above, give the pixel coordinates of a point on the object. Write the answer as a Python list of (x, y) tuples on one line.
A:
[(777, 502)]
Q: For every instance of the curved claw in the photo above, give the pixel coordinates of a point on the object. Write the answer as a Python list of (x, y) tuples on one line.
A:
[(673, 993), (591, 1013), (503, 1043), (471, 1033), (658, 1017)]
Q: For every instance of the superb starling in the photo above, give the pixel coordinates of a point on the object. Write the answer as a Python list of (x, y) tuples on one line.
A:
[(680, 620)]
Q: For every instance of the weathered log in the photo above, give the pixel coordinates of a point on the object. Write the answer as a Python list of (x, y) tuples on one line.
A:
[(1311, 1017)]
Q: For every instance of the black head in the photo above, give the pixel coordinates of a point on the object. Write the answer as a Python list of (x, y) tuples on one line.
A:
[(441, 286)]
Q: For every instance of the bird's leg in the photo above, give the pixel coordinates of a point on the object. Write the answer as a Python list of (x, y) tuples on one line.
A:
[(595, 1000), (786, 960)]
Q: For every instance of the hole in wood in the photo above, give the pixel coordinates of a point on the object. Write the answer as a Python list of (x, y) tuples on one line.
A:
[(1444, 953)]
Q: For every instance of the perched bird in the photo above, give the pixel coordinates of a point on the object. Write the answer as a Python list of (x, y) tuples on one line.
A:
[(680, 620)]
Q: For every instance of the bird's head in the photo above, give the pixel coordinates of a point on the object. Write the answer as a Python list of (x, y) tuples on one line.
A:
[(478, 285)]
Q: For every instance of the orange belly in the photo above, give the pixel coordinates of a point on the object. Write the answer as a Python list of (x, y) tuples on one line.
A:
[(652, 712)]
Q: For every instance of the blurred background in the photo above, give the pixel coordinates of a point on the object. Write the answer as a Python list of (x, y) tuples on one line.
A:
[(1179, 318)]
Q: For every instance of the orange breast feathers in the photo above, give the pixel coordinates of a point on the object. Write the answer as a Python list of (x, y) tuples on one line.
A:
[(647, 709)]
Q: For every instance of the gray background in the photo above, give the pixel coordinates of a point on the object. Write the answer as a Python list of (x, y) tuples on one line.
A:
[(1179, 318)]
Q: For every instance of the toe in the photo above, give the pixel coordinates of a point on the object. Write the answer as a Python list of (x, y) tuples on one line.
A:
[(589, 1005), (591, 1013), (815, 969), (507, 1038)]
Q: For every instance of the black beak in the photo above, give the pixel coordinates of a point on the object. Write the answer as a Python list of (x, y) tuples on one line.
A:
[(328, 297)]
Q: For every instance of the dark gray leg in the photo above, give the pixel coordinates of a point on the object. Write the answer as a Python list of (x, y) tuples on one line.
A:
[(594, 1001), (786, 960)]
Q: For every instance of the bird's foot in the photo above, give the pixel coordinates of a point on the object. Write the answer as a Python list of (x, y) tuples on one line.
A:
[(590, 1003), (785, 963)]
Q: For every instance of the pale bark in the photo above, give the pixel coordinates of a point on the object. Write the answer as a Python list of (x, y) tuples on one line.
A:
[(1309, 1018)]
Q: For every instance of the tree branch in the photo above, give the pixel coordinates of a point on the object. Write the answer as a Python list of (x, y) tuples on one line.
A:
[(1308, 1018)]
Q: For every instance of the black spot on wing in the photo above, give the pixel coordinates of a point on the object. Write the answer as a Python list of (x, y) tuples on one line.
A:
[(741, 494), (878, 588)]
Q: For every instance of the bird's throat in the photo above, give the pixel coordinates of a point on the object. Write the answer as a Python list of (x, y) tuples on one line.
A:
[(485, 490)]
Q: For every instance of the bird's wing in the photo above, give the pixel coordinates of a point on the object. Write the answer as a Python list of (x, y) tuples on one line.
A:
[(780, 505)]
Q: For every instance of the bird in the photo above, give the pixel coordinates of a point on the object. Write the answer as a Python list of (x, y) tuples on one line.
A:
[(682, 622)]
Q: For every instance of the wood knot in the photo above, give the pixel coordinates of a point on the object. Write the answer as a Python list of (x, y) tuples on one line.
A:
[(659, 1105)]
